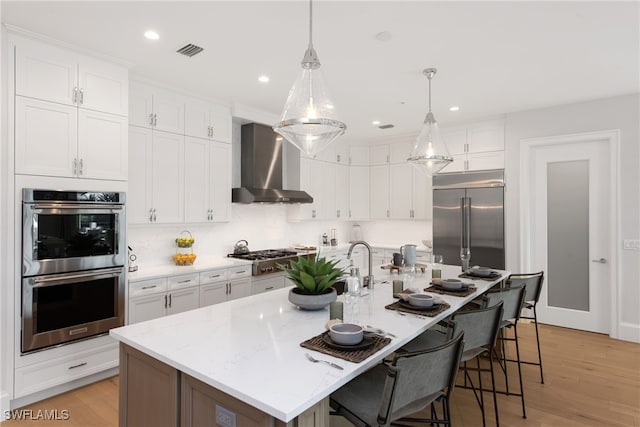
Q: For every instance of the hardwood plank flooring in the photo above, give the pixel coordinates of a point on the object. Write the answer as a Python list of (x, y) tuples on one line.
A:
[(590, 380)]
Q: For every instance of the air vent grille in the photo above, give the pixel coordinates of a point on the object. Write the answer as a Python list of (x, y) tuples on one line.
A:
[(190, 50), (385, 126)]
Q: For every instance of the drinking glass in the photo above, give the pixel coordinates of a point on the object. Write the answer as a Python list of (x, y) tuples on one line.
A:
[(436, 271)]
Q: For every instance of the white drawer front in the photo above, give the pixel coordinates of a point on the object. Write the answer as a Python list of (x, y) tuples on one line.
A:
[(237, 272), (183, 281), (41, 376), (266, 285), (147, 287), (213, 276)]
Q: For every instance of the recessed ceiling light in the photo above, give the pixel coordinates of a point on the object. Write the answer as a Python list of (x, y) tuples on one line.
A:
[(151, 35), (263, 79), (454, 108), (383, 36), (375, 122)]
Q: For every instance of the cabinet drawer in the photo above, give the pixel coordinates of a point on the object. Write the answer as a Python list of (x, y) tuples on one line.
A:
[(236, 272), (213, 276), (182, 281), (266, 285), (40, 376), (147, 287)]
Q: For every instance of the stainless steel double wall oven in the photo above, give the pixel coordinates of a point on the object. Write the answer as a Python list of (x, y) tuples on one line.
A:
[(73, 274)]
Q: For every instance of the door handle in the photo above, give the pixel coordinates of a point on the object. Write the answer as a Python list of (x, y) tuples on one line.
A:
[(601, 260)]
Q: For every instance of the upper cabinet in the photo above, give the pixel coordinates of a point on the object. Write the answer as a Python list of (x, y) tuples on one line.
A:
[(207, 120), (70, 113), (156, 108), (477, 146)]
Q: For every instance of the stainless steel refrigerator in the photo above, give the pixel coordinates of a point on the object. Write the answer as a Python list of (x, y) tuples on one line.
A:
[(468, 214)]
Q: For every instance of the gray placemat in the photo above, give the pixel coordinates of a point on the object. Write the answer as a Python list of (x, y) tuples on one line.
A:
[(432, 312), (438, 290), (491, 278), (317, 343)]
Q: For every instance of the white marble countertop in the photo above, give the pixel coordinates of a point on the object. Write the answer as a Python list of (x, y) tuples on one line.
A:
[(201, 264), (250, 347)]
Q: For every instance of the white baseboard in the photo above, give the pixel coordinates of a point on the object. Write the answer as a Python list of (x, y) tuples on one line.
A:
[(45, 394), (629, 332), (5, 401)]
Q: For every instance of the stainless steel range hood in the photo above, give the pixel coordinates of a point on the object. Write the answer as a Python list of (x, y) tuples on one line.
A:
[(261, 169)]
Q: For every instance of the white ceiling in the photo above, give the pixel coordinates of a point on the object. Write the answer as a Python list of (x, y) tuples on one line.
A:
[(492, 57)]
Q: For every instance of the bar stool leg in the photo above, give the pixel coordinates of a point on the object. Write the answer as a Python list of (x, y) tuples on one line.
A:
[(515, 332), (535, 321)]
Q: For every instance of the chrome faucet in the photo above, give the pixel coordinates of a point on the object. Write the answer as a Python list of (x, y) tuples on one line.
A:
[(367, 280)]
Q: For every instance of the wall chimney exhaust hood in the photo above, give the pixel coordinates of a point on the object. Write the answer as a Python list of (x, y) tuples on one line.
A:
[(261, 169)]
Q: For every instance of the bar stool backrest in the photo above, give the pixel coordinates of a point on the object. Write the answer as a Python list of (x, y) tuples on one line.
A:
[(532, 283), (512, 298)]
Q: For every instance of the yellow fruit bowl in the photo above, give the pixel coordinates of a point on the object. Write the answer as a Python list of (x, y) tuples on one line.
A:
[(184, 259)]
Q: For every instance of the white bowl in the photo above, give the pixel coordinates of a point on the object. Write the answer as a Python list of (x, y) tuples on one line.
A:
[(451, 283), (346, 333), (421, 300), (428, 243), (481, 271)]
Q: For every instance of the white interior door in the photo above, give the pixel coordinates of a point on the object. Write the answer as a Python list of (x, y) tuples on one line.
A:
[(570, 232)]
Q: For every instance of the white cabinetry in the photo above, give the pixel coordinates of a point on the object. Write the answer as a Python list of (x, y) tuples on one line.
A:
[(70, 113), (156, 108), (222, 285), (156, 184), (359, 183), (207, 186), (149, 299), (478, 146), (206, 120), (273, 282), (379, 194)]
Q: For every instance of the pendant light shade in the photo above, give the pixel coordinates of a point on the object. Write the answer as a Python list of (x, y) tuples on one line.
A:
[(429, 153), (309, 118)]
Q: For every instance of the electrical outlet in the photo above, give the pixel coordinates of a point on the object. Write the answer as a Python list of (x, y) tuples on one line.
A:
[(224, 417), (631, 245)]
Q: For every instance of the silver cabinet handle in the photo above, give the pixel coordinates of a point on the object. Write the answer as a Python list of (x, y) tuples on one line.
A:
[(313, 213), (81, 96), (151, 119), (213, 277), (387, 213), (601, 260), (155, 218), (155, 119), (184, 281), (338, 158), (169, 300), (149, 287), (165, 301), (338, 213), (241, 272), (75, 95), (75, 167), (150, 215), (78, 365), (81, 167)]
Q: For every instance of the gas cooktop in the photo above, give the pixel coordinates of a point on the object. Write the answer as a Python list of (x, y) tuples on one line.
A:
[(265, 254)]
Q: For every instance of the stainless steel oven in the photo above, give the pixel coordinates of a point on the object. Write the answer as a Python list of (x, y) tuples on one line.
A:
[(71, 231), (58, 308), (73, 256)]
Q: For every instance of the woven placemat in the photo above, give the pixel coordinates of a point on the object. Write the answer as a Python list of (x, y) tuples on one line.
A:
[(433, 312), (491, 278), (438, 290), (317, 343)]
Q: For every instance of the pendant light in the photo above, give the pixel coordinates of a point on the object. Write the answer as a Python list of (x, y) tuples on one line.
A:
[(429, 152), (309, 118)]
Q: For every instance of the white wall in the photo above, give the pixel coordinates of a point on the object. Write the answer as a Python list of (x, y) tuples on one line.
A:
[(397, 232), (612, 113)]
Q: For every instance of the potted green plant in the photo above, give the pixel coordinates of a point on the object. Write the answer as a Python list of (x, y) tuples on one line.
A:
[(314, 280)]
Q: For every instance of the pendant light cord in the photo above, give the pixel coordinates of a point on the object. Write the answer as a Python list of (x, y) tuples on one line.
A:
[(429, 93), (310, 24)]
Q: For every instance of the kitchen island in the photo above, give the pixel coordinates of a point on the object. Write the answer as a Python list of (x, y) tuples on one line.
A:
[(240, 363)]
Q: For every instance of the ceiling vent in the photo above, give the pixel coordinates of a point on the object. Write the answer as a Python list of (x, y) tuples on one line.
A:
[(190, 50), (385, 126)]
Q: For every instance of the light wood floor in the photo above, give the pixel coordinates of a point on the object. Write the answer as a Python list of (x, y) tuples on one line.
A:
[(590, 380)]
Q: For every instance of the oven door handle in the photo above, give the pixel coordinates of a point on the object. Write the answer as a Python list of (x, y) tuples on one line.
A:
[(54, 279), (84, 206)]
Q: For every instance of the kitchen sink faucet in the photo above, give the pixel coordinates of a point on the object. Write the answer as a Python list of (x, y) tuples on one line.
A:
[(367, 280)]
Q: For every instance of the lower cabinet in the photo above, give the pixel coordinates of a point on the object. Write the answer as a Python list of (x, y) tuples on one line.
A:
[(149, 299), (216, 293), (259, 286)]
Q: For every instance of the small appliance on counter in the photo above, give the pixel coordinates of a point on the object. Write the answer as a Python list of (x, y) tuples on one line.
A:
[(356, 233), (334, 240), (132, 261)]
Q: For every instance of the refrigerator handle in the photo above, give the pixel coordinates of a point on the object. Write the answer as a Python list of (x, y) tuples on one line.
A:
[(463, 227), (465, 244)]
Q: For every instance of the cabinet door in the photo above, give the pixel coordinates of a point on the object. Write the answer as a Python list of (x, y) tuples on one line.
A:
[(400, 151), (140, 105), (139, 197), (328, 154), (183, 300), (341, 153), (104, 87), (379, 155), (326, 182), (358, 192), (197, 118), (239, 288), (359, 156), (400, 191), (486, 136), (146, 308), (342, 191), (46, 137), (213, 294), (45, 72), (220, 181), (459, 164), (168, 177), (422, 195), (168, 110), (265, 285), (196, 182), (484, 161), (220, 120), (102, 145), (308, 183), (455, 139), (379, 178)]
